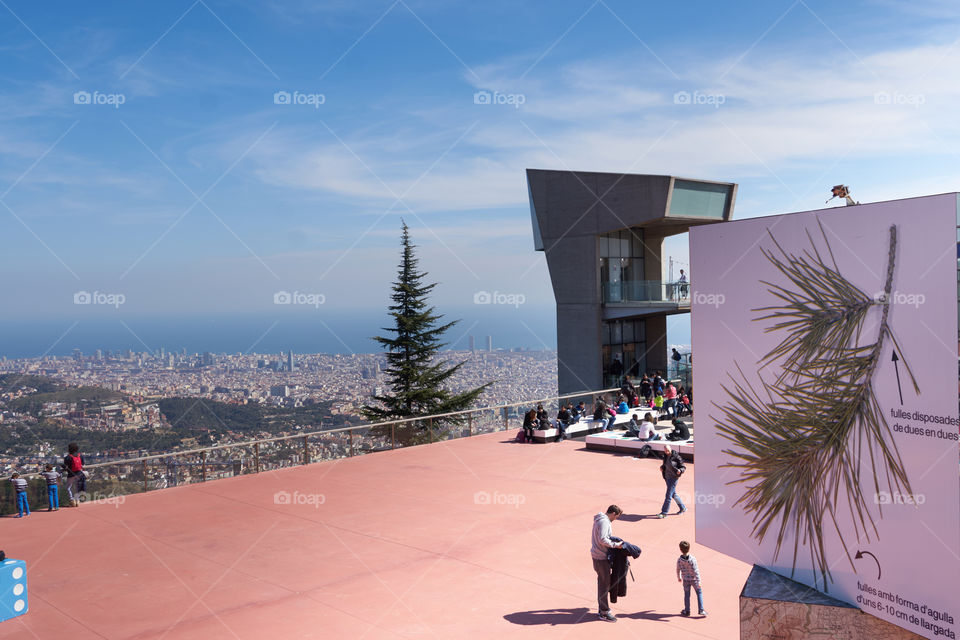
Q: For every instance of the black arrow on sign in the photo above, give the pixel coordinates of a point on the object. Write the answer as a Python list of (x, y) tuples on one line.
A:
[(860, 554), (897, 369)]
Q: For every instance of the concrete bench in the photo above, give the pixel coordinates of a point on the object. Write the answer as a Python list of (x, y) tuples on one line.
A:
[(622, 443), (588, 426)]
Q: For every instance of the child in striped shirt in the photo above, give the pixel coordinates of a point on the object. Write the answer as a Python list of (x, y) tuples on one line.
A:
[(689, 574), (21, 486), (53, 491)]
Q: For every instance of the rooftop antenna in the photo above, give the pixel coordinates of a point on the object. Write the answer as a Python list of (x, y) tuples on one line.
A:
[(842, 191)]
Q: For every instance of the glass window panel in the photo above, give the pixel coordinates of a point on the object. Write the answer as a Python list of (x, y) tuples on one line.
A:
[(627, 332), (640, 330), (616, 334), (637, 239)]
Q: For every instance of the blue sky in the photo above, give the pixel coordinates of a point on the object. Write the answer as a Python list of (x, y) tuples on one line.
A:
[(200, 194)]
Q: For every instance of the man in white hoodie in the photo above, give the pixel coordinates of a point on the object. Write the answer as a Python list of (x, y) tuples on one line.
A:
[(600, 542)]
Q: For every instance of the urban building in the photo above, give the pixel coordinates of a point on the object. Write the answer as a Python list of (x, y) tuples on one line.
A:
[(602, 234)]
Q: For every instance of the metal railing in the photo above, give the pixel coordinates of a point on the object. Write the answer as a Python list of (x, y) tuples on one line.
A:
[(110, 481), (647, 291)]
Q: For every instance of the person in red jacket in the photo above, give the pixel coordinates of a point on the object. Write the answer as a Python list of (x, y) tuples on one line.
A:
[(76, 476)]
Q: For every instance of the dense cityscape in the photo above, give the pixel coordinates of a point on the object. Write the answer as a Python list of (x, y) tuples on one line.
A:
[(128, 393)]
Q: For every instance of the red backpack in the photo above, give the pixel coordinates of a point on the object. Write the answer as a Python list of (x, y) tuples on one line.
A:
[(75, 464)]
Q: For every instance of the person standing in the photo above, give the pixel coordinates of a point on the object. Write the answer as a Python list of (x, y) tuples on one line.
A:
[(53, 492), (76, 476), (671, 469), (20, 486), (688, 573), (600, 542)]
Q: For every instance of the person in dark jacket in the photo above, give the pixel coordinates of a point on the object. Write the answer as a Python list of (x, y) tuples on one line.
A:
[(564, 418), (76, 477), (671, 469), (681, 432), (529, 424)]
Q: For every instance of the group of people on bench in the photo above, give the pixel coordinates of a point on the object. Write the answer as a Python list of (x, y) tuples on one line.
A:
[(657, 393), (538, 419), (647, 430)]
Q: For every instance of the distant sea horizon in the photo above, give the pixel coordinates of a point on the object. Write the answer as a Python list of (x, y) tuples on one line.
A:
[(344, 332)]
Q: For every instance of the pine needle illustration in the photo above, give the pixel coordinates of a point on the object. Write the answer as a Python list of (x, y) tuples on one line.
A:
[(800, 441)]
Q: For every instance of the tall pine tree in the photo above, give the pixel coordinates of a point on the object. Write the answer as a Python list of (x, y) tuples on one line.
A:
[(416, 376)]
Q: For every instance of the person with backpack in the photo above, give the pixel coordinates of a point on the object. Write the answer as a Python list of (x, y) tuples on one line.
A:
[(76, 476)]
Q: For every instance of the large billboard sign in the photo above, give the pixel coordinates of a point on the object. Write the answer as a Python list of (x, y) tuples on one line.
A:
[(826, 403)]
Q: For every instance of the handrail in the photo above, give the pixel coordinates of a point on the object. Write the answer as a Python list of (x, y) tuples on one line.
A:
[(247, 443)]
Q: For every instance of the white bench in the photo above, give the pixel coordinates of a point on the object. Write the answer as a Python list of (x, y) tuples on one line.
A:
[(589, 425), (622, 443)]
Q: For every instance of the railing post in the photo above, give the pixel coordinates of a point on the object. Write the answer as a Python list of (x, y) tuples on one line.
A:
[(430, 428), (393, 435), (351, 443), (203, 466), (306, 451), (506, 419), (256, 457), (143, 464), (470, 423)]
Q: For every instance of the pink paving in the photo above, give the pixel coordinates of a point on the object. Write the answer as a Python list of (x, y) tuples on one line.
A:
[(402, 546)]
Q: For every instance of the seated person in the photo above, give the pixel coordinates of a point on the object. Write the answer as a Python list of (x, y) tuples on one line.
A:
[(563, 421), (542, 417), (529, 423), (579, 411), (600, 413), (633, 427), (681, 432), (658, 404), (648, 432), (623, 407)]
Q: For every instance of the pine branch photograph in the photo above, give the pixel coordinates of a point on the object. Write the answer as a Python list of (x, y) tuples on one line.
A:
[(802, 439)]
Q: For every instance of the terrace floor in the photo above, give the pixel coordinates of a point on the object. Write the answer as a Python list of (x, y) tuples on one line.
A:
[(479, 537)]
